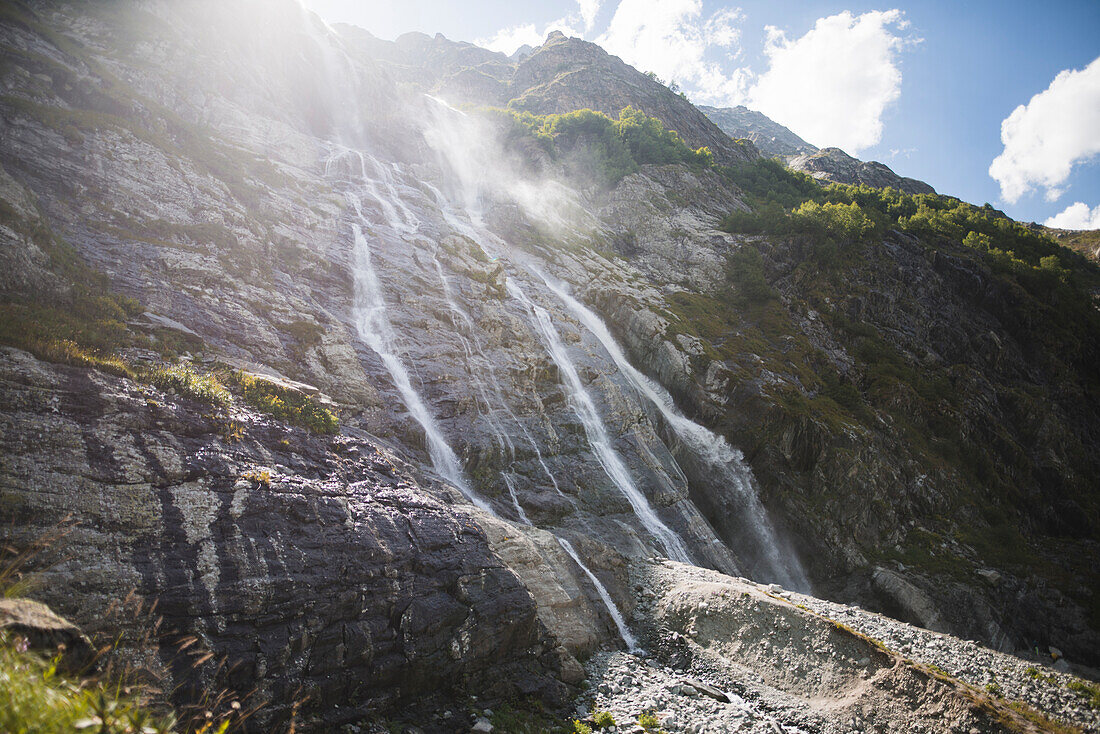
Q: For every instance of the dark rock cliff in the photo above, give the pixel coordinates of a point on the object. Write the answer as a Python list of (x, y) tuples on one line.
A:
[(309, 566)]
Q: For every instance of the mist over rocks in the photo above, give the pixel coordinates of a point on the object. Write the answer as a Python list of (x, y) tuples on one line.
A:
[(549, 362)]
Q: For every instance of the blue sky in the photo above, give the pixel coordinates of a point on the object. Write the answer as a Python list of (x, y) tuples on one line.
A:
[(922, 86)]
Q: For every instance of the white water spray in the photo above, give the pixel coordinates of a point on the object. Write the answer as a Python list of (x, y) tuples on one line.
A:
[(594, 428), (713, 449), (375, 330)]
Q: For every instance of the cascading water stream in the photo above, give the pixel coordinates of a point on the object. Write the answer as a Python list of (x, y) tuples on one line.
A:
[(377, 332), (456, 139), (598, 437), (601, 590), (472, 344), (616, 615), (583, 405), (713, 449)]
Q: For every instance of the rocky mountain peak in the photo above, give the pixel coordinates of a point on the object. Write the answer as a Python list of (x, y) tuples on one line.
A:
[(768, 136), (833, 164), (567, 74)]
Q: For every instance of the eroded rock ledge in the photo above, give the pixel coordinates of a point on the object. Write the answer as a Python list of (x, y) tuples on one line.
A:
[(308, 564)]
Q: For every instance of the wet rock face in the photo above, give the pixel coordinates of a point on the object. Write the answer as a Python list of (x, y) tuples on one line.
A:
[(335, 577)]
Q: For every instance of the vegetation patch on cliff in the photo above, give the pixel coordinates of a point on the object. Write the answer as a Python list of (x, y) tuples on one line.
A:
[(284, 403), (598, 148)]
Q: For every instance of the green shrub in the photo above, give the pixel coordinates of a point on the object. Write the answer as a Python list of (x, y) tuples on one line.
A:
[(284, 403), (745, 271), (603, 720), (597, 147), (188, 382), (579, 727), (648, 721)]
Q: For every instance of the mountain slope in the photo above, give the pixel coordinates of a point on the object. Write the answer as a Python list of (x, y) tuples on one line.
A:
[(833, 164), (562, 75), (768, 136), (540, 377), (828, 164), (567, 74)]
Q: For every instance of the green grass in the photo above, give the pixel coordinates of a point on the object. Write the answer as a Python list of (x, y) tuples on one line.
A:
[(1090, 692), (603, 720), (284, 403), (649, 721), (188, 382), (36, 699)]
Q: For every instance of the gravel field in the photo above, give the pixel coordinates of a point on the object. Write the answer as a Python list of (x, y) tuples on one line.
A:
[(719, 654)]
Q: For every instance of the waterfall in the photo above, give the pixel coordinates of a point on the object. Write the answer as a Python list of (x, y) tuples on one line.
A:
[(375, 330), (462, 316), (461, 320), (616, 615), (582, 402), (598, 437), (727, 462)]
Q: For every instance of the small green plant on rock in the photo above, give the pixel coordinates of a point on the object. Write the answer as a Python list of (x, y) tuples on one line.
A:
[(284, 403), (994, 689), (648, 721), (258, 476), (603, 720), (579, 727), (1091, 693), (184, 380)]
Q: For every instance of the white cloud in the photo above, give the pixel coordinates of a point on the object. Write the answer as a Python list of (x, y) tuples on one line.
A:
[(674, 39), (588, 10), (833, 85), (507, 40), (1076, 216), (1043, 139)]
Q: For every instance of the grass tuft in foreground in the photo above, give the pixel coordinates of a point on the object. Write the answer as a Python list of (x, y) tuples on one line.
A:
[(35, 697)]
